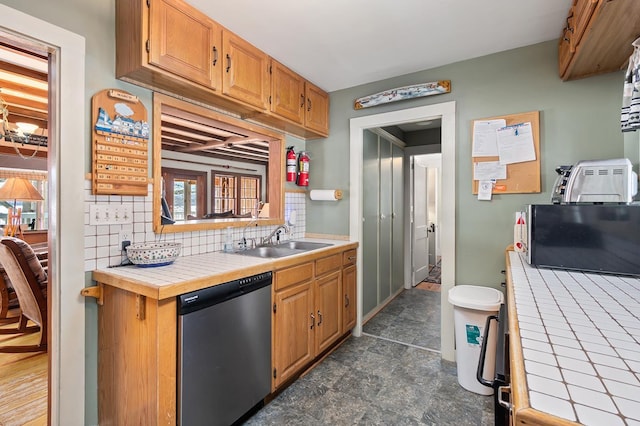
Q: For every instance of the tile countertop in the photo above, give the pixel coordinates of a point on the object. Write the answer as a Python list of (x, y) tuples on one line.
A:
[(190, 273), (579, 339)]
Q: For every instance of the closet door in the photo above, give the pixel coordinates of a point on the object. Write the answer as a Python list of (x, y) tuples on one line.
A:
[(370, 207), (397, 227), (385, 228)]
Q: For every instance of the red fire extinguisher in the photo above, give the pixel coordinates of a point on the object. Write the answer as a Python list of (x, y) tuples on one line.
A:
[(303, 169), (291, 164)]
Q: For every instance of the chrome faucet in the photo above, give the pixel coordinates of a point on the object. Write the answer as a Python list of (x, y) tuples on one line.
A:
[(276, 232), (243, 242)]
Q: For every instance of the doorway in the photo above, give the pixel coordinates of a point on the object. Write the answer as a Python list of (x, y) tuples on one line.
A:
[(446, 112), (66, 308), (425, 199)]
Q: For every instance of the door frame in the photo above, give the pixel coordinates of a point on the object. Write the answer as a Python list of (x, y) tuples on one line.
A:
[(447, 112), (67, 115)]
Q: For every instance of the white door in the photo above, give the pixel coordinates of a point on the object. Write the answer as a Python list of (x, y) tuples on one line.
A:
[(420, 222), (432, 215)]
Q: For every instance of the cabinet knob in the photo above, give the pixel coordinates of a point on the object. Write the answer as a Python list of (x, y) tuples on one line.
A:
[(313, 321)]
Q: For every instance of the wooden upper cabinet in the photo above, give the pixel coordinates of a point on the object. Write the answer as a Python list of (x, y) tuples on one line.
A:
[(185, 42), (298, 100), (287, 93), (598, 37), (169, 46), (246, 73), (316, 109)]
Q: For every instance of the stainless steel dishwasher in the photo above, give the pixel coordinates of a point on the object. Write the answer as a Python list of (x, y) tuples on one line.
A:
[(224, 351)]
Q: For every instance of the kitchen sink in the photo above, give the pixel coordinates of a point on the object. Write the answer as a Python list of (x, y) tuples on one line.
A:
[(303, 245), (286, 248)]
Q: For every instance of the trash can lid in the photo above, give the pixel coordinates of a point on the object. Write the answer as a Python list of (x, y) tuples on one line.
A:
[(476, 297)]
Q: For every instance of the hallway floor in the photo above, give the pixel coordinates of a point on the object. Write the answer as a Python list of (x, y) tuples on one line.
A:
[(389, 376)]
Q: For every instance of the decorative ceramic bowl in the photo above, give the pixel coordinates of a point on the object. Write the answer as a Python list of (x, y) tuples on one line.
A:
[(153, 254)]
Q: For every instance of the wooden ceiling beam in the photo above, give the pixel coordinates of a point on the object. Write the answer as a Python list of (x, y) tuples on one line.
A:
[(23, 88), (176, 127), (25, 72), (28, 103)]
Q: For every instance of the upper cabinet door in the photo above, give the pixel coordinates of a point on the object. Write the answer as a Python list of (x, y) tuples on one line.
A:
[(287, 93), (185, 42), (316, 109), (246, 73)]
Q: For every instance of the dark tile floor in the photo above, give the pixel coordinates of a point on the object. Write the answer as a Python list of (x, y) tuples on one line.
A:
[(373, 381)]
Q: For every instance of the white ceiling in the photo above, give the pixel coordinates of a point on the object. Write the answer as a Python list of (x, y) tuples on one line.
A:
[(343, 43)]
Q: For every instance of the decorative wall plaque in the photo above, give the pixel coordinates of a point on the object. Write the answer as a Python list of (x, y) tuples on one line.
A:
[(120, 136)]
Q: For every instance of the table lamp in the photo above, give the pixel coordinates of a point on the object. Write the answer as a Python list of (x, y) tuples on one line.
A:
[(15, 189)]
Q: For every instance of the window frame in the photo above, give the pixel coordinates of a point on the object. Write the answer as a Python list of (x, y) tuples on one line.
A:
[(237, 210), (170, 174)]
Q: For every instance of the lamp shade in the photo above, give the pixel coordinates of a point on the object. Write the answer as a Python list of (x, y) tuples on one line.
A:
[(19, 189)]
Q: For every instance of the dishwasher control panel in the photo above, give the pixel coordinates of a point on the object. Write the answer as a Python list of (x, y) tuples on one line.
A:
[(200, 299)]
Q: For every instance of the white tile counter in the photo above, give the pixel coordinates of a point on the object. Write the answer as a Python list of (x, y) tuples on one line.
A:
[(579, 336), (189, 273)]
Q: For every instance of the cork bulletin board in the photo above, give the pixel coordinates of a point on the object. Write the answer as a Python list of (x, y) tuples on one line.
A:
[(120, 141), (522, 178)]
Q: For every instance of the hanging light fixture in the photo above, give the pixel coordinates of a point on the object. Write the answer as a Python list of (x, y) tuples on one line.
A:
[(23, 133), (16, 188)]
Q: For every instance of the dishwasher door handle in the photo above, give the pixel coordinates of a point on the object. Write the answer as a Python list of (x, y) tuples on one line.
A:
[(313, 321)]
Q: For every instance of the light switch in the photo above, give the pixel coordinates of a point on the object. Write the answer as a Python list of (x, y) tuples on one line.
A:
[(110, 214)]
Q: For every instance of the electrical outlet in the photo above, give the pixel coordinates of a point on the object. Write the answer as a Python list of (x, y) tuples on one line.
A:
[(125, 237)]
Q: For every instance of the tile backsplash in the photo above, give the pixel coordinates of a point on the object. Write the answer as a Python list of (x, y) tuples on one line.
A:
[(102, 242)]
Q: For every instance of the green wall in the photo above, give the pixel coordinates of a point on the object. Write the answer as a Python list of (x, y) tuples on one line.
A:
[(579, 120)]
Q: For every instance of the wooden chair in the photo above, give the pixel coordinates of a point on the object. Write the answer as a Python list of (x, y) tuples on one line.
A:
[(27, 278)]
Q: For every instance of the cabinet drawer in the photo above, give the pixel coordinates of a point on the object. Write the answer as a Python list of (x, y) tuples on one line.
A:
[(349, 257), (296, 274), (328, 264)]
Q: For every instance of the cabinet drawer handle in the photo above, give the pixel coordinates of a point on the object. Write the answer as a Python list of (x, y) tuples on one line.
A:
[(313, 320), (319, 318), (346, 300), (228, 62), (301, 101), (351, 258), (215, 56)]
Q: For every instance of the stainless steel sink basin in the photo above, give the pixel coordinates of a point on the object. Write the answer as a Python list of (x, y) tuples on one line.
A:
[(303, 245), (286, 248), (269, 251)]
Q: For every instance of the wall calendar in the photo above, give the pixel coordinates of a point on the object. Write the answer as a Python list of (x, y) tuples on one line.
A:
[(120, 139)]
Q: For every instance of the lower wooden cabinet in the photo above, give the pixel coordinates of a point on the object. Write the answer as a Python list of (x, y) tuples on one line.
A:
[(349, 283), (293, 331), (308, 309)]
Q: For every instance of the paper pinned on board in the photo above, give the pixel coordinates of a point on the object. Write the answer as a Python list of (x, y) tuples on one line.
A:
[(485, 142), (515, 144), (487, 170), (485, 188)]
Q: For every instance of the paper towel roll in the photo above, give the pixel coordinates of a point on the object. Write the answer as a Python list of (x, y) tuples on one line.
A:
[(325, 194)]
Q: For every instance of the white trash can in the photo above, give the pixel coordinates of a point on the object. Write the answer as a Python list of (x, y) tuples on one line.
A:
[(471, 307)]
